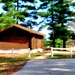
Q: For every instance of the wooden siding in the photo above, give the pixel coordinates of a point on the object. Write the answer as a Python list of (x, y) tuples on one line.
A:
[(10, 45), (14, 39), (18, 39), (32, 42), (37, 42)]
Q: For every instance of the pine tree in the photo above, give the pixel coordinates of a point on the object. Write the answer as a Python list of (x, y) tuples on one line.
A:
[(64, 15), (56, 14), (22, 9), (6, 19)]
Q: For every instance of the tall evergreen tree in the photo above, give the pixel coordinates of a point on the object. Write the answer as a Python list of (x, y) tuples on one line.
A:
[(57, 13), (64, 15)]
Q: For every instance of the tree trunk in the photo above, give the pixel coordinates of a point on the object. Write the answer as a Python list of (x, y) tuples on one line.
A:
[(17, 8), (53, 26), (64, 44), (53, 38), (53, 42)]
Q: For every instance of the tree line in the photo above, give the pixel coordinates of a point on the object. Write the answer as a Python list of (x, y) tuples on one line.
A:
[(56, 15)]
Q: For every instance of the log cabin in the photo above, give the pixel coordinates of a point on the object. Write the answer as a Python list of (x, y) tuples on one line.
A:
[(19, 37)]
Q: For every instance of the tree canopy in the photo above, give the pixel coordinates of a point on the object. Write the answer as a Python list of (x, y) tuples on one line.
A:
[(6, 20), (23, 11), (57, 16)]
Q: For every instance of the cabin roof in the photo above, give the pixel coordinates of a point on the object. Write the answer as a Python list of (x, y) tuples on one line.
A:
[(28, 30), (25, 29)]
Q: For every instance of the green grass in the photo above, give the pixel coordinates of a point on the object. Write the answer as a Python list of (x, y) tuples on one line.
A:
[(36, 55), (10, 61), (14, 60), (61, 57)]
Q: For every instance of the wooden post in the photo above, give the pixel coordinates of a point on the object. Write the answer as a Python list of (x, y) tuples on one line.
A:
[(71, 52), (12, 53), (51, 51), (29, 52)]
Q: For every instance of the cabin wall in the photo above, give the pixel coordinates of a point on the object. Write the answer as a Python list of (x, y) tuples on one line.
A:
[(13, 43), (14, 38), (19, 39), (32, 42), (37, 42)]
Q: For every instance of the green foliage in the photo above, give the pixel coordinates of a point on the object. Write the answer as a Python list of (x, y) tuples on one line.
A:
[(8, 6), (50, 42), (72, 35), (46, 42), (6, 20), (61, 32), (44, 14), (59, 43)]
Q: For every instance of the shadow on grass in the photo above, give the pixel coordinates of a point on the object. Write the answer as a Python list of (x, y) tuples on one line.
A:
[(1, 71)]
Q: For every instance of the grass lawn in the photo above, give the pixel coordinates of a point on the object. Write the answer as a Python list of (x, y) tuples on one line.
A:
[(60, 56), (10, 65)]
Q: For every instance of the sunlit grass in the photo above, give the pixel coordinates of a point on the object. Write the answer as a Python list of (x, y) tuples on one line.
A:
[(36, 55)]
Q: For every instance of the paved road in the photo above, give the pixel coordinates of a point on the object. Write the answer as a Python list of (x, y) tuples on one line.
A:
[(48, 67)]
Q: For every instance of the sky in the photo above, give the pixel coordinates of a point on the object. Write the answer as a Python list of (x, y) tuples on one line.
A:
[(1, 10), (43, 31)]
